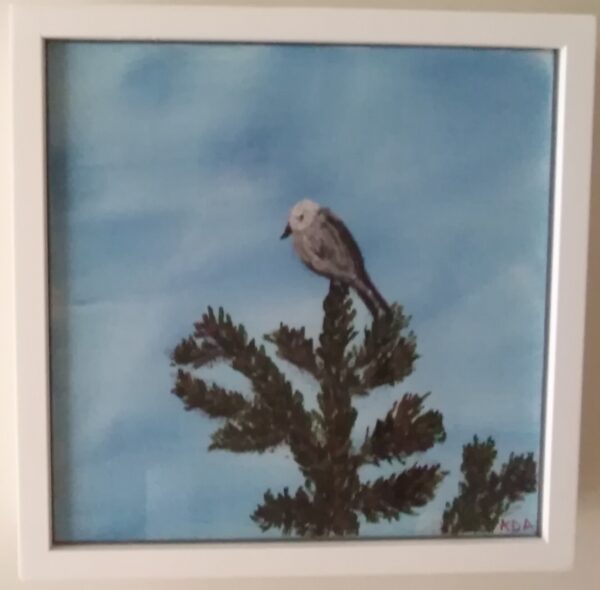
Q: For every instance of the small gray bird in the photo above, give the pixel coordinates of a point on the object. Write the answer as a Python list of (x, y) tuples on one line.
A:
[(326, 246)]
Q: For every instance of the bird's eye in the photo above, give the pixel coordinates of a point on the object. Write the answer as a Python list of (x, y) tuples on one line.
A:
[(301, 218)]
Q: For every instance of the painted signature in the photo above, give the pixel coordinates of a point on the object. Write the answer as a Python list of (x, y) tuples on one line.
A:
[(515, 526)]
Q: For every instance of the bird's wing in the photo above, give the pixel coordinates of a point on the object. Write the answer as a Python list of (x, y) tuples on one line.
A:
[(328, 248), (343, 238)]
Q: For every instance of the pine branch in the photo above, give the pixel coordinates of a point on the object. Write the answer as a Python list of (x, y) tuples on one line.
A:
[(249, 431), (304, 514), (388, 498), (485, 495), (337, 376), (518, 477), (386, 356), (338, 326), (405, 430), (290, 514), (477, 462), (189, 352), (293, 347), (337, 380), (271, 388), (275, 414), (214, 401)]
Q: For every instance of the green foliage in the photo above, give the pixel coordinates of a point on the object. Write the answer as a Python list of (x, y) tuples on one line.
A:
[(406, 429), (386, 355), (293, 346), (399, 494), (486, 495), (333, 497)]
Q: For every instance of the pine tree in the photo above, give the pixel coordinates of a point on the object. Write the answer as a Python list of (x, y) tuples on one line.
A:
[(485, 495), (332, 498)]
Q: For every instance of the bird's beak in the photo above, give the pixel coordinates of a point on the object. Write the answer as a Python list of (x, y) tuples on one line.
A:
[(286, 232)]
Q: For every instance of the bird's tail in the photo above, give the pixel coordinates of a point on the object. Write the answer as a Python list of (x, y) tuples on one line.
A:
[(371, 297)]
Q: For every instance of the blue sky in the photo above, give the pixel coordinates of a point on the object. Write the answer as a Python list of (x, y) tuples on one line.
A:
[(171, 172)]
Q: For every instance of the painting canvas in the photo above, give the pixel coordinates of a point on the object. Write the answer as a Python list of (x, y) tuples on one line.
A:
[(376, 373)]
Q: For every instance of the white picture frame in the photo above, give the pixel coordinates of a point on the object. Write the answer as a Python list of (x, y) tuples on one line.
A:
[(573, 37)]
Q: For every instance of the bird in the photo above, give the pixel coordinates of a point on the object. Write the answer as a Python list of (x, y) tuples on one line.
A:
[(327, 247)]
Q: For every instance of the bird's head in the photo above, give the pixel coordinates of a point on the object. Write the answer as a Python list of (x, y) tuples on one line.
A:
[(302, 214)]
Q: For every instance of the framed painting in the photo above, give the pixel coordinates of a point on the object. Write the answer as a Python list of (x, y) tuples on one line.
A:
[(391, 387)]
